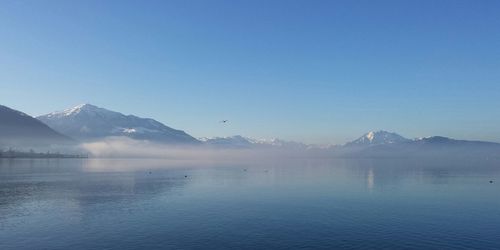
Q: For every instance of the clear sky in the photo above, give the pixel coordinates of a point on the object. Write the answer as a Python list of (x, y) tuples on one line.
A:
[(313, 71)]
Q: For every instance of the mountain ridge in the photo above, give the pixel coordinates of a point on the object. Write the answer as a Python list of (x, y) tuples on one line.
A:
[(20, 129), (89, 122), (376, 138)]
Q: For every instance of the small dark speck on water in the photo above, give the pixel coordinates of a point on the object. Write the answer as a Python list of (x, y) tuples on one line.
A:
[(185, 176), (245, 169), (491, 181), (149, 172)]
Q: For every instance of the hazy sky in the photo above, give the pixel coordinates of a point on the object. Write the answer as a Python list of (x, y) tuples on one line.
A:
[(315, 71)]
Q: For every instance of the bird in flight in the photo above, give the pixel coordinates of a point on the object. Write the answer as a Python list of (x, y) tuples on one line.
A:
[(223, 121)]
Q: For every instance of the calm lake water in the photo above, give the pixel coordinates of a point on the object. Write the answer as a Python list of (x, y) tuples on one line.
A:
[(300, 204)]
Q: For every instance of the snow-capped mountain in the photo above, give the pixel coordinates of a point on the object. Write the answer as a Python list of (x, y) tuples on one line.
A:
[(383, 144), (275, 142), (88, 122), (238, 141), (20, 129), (378, 138)]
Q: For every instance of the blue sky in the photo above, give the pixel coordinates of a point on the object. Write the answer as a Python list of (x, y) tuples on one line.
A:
[(314, 71)]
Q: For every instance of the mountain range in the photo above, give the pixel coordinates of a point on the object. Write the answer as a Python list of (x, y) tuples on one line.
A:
[(383, 144), (87, 123), (238, 141)]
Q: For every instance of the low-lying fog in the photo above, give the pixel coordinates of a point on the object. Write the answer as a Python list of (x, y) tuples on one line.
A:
[(121, 147)]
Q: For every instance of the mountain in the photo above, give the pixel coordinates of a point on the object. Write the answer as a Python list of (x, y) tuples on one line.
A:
[(377, 138), (281, 143), (383, 144), (88, 122), (18, 129), (238, 141)]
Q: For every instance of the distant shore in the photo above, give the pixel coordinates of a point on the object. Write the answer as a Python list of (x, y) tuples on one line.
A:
[(9, 154)]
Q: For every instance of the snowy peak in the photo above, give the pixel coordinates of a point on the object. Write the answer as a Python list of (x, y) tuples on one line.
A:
[(89, 122), (85, 108), (377, 138), (238, 141), (82, 109), (370, 136), (79, 108), (275, 142), (71, 111)]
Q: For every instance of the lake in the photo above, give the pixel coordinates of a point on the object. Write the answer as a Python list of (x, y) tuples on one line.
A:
[(288, 204)]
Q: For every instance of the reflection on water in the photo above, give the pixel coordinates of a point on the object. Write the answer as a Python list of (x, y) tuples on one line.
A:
[(370, 179), (323, 204)]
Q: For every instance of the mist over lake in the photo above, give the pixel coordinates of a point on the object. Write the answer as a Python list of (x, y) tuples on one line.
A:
[(272, 204), (254, 124)]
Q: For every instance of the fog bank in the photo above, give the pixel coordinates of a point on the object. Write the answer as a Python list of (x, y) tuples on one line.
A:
[(122, 147)]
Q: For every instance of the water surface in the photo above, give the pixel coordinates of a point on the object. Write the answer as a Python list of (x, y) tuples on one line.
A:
[(292, 204)]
